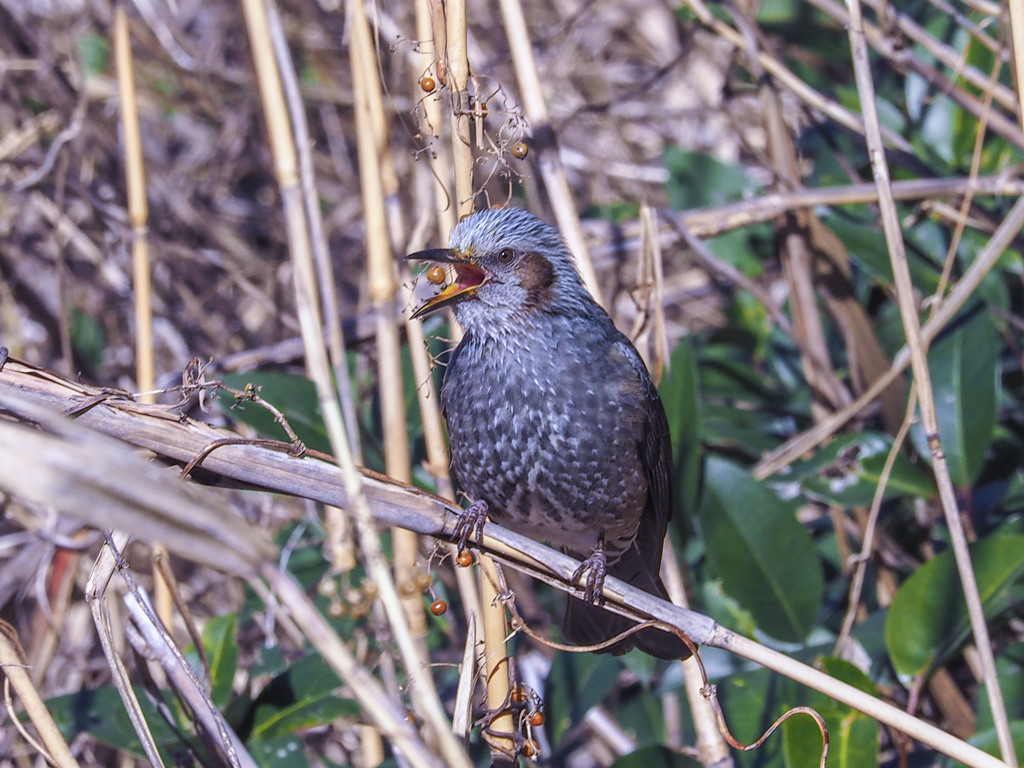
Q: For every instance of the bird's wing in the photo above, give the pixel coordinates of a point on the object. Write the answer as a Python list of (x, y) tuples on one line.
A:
[(656, 457)]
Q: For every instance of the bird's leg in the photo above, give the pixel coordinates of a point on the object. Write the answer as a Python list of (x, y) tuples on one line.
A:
[(471, 521), (596, 568)]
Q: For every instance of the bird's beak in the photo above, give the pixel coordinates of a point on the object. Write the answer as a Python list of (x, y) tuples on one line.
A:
[(468, 278)]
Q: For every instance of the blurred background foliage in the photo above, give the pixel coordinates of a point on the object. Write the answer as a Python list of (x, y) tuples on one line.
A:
[(652, 104)]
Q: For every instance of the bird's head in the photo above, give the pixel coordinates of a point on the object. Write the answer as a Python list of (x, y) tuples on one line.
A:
[(508, 266)]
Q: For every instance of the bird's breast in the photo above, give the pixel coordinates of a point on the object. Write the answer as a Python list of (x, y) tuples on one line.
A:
[(547, 431)]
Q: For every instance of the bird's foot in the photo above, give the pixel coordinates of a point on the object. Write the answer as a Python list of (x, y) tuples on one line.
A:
[(471, 522), (594, 568)]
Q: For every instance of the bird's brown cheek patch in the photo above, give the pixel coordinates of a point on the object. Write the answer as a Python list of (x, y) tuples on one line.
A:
[(537, 277)]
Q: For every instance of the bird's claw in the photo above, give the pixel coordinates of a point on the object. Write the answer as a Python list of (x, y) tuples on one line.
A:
[(471, 522), (595, 568)]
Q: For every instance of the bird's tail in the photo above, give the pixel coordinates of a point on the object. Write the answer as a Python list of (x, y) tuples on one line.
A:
[(587, 624)]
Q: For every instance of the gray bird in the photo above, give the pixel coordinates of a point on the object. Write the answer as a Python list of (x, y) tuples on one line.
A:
[(555, 427)]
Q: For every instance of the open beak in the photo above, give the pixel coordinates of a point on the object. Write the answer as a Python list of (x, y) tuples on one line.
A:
[(468, 278)]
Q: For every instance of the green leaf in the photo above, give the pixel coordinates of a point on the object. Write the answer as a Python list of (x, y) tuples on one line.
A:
[(281, 752), (94, 53), (750, 701), (1010, 673), (964, 374), (738, 429), (764, 558), (697, 179), (857, 228), (988, 741), (680, 392), (576, 682), (848, 470), (295, 396), (273, 722), (220, 643), (725, 610), (853, 736), (655, 757), (302, 697), (927, 620), (88, 339), (101, 714)]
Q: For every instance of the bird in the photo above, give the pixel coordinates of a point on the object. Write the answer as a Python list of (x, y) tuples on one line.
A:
[(555, 427)]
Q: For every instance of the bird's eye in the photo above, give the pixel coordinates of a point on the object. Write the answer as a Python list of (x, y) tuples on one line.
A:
[(505, 255)]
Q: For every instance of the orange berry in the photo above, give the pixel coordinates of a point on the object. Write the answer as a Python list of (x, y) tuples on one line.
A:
[(530, 748), (439, 607), (518, 694), (428, 84), (537, 718), (465, 559), (436, 274), (520, 150)]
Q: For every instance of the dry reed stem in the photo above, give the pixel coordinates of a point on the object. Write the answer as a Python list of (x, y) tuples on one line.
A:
[(791, 82), (372, 143), (456, 58), (321, 253), (423, 692), (433, 121), (152, 642), (950, 58), (715, 220), (710, 744), (494, 619), (16, 675), (1015, 10), (138, 214), (546, 142), (922, 378), (338, 546), (95, 596)]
